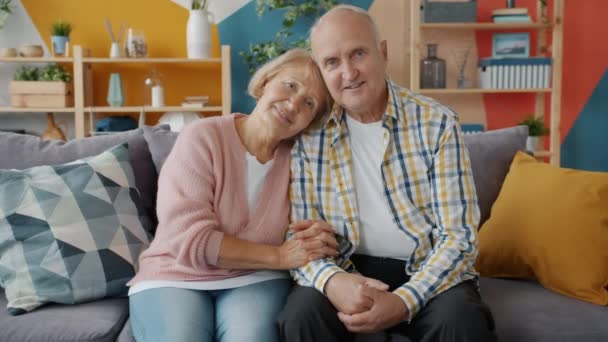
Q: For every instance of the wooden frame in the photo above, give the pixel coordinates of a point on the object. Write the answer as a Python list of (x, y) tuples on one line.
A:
[(555, 26)]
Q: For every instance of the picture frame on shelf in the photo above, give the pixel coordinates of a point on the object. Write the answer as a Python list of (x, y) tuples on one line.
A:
[(511, 45)]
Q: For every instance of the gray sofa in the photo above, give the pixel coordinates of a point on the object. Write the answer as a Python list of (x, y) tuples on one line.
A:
[(523, 310)]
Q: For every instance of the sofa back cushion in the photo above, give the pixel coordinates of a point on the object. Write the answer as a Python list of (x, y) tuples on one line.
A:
[(161, 141), (491, 154), (70, 233), (19, 151)]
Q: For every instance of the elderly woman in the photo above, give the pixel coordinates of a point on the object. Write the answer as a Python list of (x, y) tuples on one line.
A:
[(213, 271)]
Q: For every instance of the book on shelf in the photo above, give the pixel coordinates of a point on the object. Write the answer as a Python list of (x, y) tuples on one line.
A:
[(510, 11), (516, 18), (195, 101)]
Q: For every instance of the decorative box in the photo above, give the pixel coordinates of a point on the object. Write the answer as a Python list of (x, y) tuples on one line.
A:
[(51, 94), (514, 73), (448, 12)]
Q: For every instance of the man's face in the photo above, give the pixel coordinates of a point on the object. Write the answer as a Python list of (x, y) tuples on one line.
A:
[(353, 65)]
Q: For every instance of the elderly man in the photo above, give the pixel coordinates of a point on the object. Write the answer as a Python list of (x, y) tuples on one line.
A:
[(388, 170)]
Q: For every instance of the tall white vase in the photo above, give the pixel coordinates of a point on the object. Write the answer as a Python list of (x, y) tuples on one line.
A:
[(198, 34)]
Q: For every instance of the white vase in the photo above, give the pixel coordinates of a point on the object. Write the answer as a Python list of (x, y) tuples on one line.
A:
[(198, 34), (533, 144)]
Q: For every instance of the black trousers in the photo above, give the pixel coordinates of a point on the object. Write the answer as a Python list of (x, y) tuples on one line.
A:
[(457, 314)]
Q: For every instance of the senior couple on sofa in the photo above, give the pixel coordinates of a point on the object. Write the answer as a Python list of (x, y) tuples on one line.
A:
[(383, 204)]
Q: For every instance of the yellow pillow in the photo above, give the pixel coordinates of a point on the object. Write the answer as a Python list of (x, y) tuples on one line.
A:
[(549, 224)]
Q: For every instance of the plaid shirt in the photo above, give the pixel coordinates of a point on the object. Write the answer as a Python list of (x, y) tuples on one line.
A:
[(428, 186)]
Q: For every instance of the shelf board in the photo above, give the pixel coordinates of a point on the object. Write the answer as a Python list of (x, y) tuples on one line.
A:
[(37, 59), (35, 110), (485, 26), (482, 91), (148, 109), (150, 60), (543, 153)]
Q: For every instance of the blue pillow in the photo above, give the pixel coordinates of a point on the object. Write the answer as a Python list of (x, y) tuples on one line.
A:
[(70, 233)]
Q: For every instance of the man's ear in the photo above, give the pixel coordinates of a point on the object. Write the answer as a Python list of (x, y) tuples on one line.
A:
[(384, 50)]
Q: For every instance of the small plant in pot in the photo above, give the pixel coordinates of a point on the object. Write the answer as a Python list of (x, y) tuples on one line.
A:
[(536, 130), (60, 36)]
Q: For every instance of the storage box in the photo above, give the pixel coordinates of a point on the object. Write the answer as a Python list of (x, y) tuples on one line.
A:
[(514, 73), (39, 94), (449, 12)]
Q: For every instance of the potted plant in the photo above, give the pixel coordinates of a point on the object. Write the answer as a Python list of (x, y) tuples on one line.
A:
[(536, 130), (60, 37), (260, 53), (49, 86), (5, 10)]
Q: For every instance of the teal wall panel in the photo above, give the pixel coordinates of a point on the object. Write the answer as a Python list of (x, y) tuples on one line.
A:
[(243, 28)]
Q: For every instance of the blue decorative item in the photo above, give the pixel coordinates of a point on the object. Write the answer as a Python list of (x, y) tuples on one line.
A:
[(59, 44), (115, 93), (115, 124)]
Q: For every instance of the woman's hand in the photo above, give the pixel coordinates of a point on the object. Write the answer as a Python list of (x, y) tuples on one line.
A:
[(313, 240)]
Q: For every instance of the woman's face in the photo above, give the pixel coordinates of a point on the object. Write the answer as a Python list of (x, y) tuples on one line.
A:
[(291, 100)]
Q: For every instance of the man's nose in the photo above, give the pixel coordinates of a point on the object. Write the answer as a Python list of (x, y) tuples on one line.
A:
[(349, 72)]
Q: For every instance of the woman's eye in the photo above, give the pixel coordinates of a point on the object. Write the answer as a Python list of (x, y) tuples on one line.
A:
[(310, 104)]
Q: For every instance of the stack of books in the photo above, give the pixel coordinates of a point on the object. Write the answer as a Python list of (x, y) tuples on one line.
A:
[(511, 15), (195, 101)]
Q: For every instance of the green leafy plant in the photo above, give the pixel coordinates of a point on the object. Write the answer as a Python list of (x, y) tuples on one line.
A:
[(199, 4), (51, 72), (260, 53), (536, 126), (26, 73), (5, 6), (61, 28)]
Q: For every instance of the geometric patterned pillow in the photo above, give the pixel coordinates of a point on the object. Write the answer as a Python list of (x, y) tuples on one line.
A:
[(70, 233)]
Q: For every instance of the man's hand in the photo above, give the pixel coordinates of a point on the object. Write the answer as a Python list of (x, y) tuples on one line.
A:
[(347, 292), (387, 311)]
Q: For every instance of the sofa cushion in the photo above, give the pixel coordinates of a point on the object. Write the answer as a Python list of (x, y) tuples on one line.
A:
[(70, 233), (524, 311), (161, 141), (550, 224), (98, 321), (19, 151), (491, 154)]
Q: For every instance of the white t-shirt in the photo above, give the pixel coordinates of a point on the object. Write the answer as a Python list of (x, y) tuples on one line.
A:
[(256, 175), (379, 234)]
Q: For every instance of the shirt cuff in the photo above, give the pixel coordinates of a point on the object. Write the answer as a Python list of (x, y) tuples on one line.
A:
[(323, 274), (412, 300)]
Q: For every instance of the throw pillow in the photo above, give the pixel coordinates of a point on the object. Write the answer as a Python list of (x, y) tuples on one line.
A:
[(550, 224), (18, 151), (70, 233)]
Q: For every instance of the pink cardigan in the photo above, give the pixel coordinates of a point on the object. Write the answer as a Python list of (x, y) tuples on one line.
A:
[(202, 196)]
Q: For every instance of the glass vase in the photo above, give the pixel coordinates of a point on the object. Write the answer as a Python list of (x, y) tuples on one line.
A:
[(135, 44), (432, 69)]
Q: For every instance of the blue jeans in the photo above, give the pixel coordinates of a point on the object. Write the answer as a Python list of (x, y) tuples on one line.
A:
[(247, 313)]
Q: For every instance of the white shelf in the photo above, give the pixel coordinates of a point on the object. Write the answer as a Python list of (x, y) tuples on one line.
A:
[(482, 91), (36, 110), (152, 60), (485, 26), (148, 109)]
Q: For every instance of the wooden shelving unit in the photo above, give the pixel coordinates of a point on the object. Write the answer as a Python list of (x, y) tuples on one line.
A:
[(81, 68), (555, 26)]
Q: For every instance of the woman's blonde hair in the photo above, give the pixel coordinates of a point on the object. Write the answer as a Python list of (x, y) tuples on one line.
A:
[(298, 58)]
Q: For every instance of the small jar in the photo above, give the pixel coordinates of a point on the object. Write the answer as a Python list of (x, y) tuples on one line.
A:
[(135, 44), (154, 89), (432, 69)]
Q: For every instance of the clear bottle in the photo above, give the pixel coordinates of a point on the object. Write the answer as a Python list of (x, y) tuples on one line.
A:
[(432, 69)]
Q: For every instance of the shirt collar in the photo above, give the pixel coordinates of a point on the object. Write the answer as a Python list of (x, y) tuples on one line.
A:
[(393, 108)]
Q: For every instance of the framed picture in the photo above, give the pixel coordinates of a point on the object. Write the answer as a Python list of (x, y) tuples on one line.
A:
[(511, 45)]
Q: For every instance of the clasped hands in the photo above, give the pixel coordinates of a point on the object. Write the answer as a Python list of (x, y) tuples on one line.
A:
[(364, 304)]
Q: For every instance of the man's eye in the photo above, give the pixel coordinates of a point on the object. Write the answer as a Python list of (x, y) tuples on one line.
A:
[(290, 85)]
